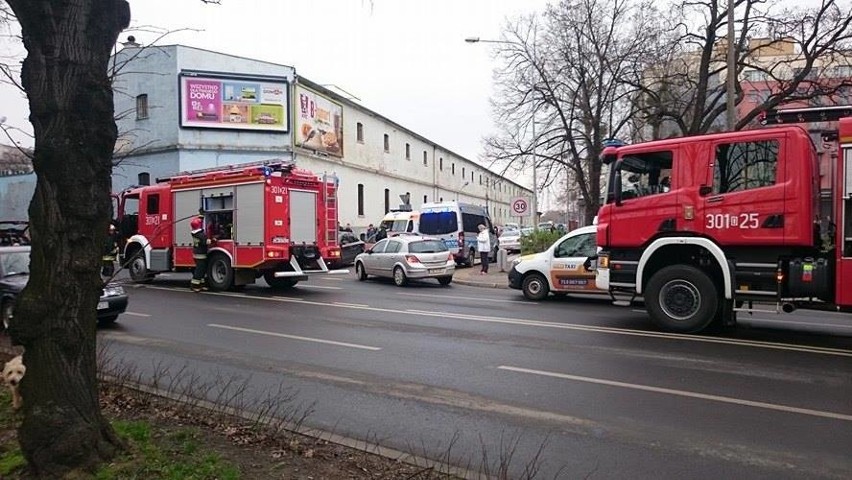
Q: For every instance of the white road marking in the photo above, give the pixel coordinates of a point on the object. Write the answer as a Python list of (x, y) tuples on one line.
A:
[(134, 314), (342, 304), (684, 393), (332, 279), (324, 287), (284, 298), (746, 318), (487, 299), (562, 326), (294, 337)]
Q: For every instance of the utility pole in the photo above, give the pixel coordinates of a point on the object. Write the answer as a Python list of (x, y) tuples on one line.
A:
[(535, 179), (732, 70)]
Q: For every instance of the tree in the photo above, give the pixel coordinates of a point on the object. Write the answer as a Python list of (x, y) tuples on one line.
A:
[(68, 47), (567, 71), (789, 56)]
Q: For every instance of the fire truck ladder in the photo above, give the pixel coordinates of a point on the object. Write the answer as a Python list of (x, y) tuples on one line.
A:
[(806, 115), (330, 183)]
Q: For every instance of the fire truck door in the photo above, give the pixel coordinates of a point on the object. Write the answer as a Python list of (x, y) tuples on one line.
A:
[(746, 204), (844, 236), (303, 216)]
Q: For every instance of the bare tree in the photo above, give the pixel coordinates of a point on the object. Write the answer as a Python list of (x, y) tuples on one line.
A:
[(566, 71), (789, 55)]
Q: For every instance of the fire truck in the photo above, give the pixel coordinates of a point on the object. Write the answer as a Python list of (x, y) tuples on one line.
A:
[(708, 226), (267, 219)]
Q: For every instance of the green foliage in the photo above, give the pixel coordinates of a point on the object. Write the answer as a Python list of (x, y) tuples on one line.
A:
[(538, 241), (11, 460)]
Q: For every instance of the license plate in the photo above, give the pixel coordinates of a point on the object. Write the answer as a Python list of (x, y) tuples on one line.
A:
[(103, 305), (436, 270)]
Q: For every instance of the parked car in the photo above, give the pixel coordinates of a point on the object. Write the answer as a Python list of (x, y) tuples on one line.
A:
[(407, 257), (14, 232), (15, 273), (350, 247), (511, 240), (561, 269)]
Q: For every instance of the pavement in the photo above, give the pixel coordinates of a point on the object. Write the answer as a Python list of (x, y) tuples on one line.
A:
[(493, 279)]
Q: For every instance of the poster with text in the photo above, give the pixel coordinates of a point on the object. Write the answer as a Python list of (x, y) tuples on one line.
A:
[(234, 103), (319, 123)]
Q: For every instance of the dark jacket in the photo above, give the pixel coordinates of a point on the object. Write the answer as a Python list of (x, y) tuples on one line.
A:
[(199, 244)]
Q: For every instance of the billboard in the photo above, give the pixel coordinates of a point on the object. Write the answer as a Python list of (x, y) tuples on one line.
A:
[(238, 103), (319, 123)]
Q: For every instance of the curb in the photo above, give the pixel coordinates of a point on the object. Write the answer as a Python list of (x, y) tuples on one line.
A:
[(472, 283)]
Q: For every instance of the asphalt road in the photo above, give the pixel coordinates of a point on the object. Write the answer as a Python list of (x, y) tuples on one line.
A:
[(429, 369)]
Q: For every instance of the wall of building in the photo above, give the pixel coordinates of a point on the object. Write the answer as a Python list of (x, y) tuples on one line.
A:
[(16, 191)]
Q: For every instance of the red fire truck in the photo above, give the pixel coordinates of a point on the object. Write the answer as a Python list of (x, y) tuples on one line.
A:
[(704, 227), (268, 220)]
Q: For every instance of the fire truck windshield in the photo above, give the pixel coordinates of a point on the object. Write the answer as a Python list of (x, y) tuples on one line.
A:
[(640, 175)]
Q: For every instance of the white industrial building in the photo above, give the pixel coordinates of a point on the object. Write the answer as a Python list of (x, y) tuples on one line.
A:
[(181, 108)]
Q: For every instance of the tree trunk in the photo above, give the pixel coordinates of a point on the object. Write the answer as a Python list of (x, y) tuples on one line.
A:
[(65, 76)]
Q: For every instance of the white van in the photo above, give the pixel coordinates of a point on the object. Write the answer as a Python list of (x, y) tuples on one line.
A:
[(400, 222), (457, 224)]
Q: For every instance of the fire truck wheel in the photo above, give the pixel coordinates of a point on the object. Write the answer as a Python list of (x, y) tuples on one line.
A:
[(681, 298), (399, 277), (535, 287), (220, 275), (360, 272), (279, 282), (139, 271)]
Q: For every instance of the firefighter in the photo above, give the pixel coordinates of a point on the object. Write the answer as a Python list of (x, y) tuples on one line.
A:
[(110, 252), (199, 254)]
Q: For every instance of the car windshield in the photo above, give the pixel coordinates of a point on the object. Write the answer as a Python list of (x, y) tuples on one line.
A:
[(511, 233), (14, 263), (438, 223), (526, 231), (427, 246)]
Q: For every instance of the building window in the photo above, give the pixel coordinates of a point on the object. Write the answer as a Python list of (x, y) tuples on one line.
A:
[(425, 158), (745, 165), (142, 106), (480, 179), (387, 200), (360, 132), (463, 173), (453, 168), (360, 199), (441, 164), (441, 199), (471, 175), (408, 151), (387, 143), (425, 198)]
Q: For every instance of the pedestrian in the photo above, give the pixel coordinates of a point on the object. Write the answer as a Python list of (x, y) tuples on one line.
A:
[(348, 228), (371, 233), (199, 254), (483, 243), (382, 233), (110, 252)]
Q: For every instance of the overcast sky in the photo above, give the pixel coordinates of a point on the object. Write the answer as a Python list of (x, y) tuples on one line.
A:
[(405, 59)]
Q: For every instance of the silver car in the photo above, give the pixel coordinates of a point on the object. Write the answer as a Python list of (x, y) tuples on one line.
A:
[(407, 257)]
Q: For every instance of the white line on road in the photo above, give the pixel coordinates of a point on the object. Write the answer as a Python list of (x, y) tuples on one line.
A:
[(332, 279), (684, 393), (342, 304), (324, 287), (293, 337), (134, 314), (563, 326), (748, 318), (487, 299)]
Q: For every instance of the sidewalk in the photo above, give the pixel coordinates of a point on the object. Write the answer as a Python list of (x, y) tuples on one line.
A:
[(494, 279)]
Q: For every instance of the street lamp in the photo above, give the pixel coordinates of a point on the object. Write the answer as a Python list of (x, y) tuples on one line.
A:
[(459, 190), (534, 155)]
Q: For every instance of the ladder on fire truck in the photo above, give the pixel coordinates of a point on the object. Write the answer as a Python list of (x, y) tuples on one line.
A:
[(329, 193), (806, 115)]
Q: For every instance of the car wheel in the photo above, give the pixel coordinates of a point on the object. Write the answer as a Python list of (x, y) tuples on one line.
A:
[(279, 283), (681, 298), (359, 271), (535, 287), (139, 270), (471, 257), (445, 280), (6, 312), (220, 274), (104, 321), (399, 277)]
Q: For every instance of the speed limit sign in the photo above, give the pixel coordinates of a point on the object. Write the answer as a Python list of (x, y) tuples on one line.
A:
[(520, 206)]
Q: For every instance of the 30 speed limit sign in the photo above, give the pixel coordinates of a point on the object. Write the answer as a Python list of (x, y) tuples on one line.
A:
[(520, 206)]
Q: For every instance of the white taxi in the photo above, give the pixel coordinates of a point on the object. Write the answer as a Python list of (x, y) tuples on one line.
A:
[(560, 269)]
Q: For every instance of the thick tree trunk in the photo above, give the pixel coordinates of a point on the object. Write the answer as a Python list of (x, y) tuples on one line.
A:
[(65, 76)]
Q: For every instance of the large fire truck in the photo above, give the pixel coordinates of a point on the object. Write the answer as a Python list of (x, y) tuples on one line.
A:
[(268, 220), (704, 227)]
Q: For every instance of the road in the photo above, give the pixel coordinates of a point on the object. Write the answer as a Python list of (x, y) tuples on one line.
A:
[(428, 369)]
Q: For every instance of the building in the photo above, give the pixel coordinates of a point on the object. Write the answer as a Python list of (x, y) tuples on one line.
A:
[(181, 108), (17, 183)]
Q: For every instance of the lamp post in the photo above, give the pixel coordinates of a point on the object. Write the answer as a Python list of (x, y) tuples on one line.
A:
[(534, 155), (460, 190)]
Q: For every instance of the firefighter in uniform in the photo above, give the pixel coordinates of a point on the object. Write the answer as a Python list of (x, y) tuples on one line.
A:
[(110, 252), (199, 254)]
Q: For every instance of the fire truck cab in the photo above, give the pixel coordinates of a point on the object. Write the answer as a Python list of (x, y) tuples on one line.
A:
[(267, 220), (703, 227)]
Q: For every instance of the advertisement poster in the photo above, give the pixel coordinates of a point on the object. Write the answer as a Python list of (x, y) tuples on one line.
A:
[(241, 104), (319, 123)]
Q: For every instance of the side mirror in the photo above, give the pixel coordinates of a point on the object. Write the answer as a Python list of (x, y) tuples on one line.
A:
[(705, 190)]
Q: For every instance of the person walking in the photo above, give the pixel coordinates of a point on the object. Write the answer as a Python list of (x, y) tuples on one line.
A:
[(199, 254), (110, 253), (483, 245)]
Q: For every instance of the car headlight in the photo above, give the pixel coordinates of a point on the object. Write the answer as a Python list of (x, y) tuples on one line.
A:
[(517, 261), (113, 291)]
